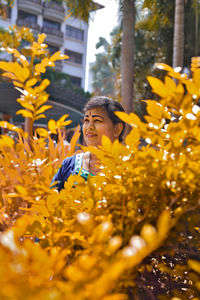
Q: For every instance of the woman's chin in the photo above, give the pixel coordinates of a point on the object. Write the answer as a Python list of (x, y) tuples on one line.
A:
[(92, 143)]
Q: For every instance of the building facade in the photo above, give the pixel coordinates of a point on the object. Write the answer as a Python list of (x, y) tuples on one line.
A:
[(69, 35)]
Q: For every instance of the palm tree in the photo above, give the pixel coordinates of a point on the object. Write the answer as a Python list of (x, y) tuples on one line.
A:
[(80, 8), (127, 54), (178, 43)]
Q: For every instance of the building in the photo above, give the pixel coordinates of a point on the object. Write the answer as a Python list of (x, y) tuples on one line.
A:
[(69, 35)]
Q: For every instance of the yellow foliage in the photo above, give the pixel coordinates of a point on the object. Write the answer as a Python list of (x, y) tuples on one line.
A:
[(26, 75), (94, 239)]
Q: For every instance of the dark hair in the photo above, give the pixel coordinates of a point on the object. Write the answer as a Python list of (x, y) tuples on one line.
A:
[(110, 106)]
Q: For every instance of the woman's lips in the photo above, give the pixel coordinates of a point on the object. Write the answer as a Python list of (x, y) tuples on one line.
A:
[(90, 135)]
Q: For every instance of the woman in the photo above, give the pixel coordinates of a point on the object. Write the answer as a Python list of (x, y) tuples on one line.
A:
[(99, 120)]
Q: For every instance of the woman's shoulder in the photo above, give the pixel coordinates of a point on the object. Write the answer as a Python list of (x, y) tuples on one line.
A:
[(71, 159), (68, 162)]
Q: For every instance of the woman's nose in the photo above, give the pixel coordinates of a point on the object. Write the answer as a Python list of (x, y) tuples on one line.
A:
[(91, 124)]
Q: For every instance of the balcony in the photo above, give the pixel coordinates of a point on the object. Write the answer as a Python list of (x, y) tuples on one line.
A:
[(58, 65), (54, 11), (54, 36), (32, 6), (30, 24)]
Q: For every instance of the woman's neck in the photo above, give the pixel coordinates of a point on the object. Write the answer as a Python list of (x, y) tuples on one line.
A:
[(93, 164)]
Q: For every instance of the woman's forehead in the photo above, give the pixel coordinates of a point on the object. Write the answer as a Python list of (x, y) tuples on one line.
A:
[(96, 111)]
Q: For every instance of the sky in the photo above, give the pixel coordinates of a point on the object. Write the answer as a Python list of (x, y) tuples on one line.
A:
[(101, 24)]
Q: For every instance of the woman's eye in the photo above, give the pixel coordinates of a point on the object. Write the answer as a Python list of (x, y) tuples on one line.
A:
[(86, 121), (97, 120)]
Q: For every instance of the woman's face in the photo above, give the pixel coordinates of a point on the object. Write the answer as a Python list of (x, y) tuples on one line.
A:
[(96, 124)]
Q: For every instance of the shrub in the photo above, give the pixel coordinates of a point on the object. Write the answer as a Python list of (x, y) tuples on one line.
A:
[(132, 230)]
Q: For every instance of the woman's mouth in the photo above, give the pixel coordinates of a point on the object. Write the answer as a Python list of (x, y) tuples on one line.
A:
[(90, 135)]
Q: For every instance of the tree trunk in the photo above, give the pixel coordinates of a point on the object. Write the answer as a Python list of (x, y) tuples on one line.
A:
[(178, 46), (197, 28), (28, 127), (127, 55), (6, 118)]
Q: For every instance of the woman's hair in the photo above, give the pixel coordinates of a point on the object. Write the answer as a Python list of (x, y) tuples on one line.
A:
[(110, 106)]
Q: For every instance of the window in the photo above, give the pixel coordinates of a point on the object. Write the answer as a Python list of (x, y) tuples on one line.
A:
[(8, 12), (76, 81), (51, 24), (22, 15), (74, 56), (74, 33)]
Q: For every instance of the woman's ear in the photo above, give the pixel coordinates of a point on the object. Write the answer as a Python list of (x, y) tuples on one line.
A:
[(118, 129)]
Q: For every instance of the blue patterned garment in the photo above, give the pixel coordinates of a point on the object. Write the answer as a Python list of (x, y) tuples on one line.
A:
[(70, 165)]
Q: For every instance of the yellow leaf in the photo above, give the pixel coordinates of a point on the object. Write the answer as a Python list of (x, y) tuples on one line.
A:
[(192, 88), (163, 224), (39, 68), (6, 141), (61, 122), (165, 67), (66, 123), (45, 62), (148, 233), (43, 108), (41, 38), (182, 160), (170, 84), (186, 101), (6, 66), (196, 77), (131, 119), (21, 73), (41, 116), (73, 141), (9, 126), (44, 84), (155, 109), (42, 132), (152, 120), (62, 119), (25, 113), (51, 201), (21, 57), (133, 137), (176, 75), (158, 86), (31, 82), (170, 71), (58, 55), (195, 265), (17, 83), (25, 104), (41, 209), (52, 126), (20, 189), (74, 274), (10, 75), (106, 143)]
